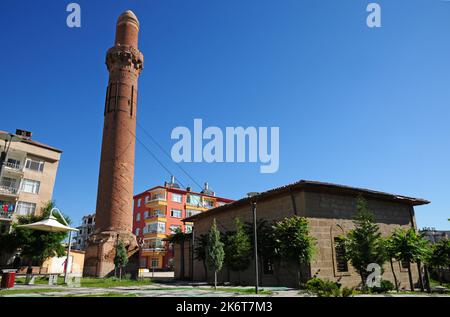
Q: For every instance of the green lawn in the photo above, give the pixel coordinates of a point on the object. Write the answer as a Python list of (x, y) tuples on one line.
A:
[(29, 291), (436, 283), (112, 282), (109, 294), (92, 282)]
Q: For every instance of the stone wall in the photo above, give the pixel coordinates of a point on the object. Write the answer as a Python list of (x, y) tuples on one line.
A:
[(329, 215)]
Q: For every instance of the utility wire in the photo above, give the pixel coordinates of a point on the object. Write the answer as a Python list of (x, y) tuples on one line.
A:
[(156, 158), (168, 155)]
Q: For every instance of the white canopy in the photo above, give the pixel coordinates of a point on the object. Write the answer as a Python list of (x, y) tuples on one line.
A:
[(49, 224)]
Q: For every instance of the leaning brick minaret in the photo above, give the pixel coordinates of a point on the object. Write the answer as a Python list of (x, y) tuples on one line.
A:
[(114, 213)]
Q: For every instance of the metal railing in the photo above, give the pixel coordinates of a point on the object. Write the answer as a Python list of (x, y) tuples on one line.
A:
[(4, 189), (13, 166)]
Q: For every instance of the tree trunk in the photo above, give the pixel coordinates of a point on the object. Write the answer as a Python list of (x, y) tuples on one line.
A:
[(120, 273), (411, 283), (299, 276), (427, 278), (182, 260), (419, 269), (205, 267), (215, 280), (393, 273), (363, 280)]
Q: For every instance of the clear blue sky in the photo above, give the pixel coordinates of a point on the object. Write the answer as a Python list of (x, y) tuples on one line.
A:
[(357, 106)]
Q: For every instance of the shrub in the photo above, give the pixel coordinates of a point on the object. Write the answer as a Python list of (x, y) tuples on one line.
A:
[(385, 286), (323, 288), (346, 292)]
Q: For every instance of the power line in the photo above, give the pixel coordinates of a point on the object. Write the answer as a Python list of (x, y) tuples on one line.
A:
[(156, 159), (167, 154)]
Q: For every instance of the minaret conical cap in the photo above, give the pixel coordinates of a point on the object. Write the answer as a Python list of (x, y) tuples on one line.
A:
[(128, 16)]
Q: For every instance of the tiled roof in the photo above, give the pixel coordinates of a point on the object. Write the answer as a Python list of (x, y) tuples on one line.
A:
[(314, 186)]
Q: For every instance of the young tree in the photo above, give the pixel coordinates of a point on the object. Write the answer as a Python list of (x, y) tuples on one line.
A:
[(121, 258), (200, 252), (238, 250), (439, 258), (409, 247), (179, 237), (390, 252), (364, 244), (37, 246), (215, 253), (294, 243)]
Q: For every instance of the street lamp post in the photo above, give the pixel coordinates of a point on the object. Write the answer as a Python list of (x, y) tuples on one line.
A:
[(255, 238), (8, 138)]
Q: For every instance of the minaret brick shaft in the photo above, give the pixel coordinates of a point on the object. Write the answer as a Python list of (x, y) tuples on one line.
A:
[(114, 212)]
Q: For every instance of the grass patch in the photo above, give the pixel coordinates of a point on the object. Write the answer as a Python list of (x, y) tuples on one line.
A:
[(435, 283), (109, 294), (239, 290), (91, 282), (40, 280), (112, 282), (29, 291)]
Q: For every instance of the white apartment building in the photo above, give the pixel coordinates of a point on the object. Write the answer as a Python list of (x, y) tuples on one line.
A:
[(27, 177)]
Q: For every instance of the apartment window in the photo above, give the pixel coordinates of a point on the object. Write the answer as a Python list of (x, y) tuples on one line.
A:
[(145, 214), (138, 216), (188, 228), (177, 198), (158, 196), (80, 232), (175, 213), (34, 165), (147, 198), (139, 202), (158, 213), (9, 182), (13, 163), (156, 227), (194, 200), (25, 208), (137, 231), (208, 203), (30, 186), (154, 243), (155, 263), (339, 251), (174, 228), (190, 212)]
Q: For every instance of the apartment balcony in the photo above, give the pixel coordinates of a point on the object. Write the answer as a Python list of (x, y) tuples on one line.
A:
[(156, 202), (9, 191), (155, 234), (6, 215), (12, 168), (155, 217), (153, 251), (198, 207)]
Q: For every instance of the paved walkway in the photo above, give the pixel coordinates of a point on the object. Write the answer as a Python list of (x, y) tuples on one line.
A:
[(166, 290), (153, 290)]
